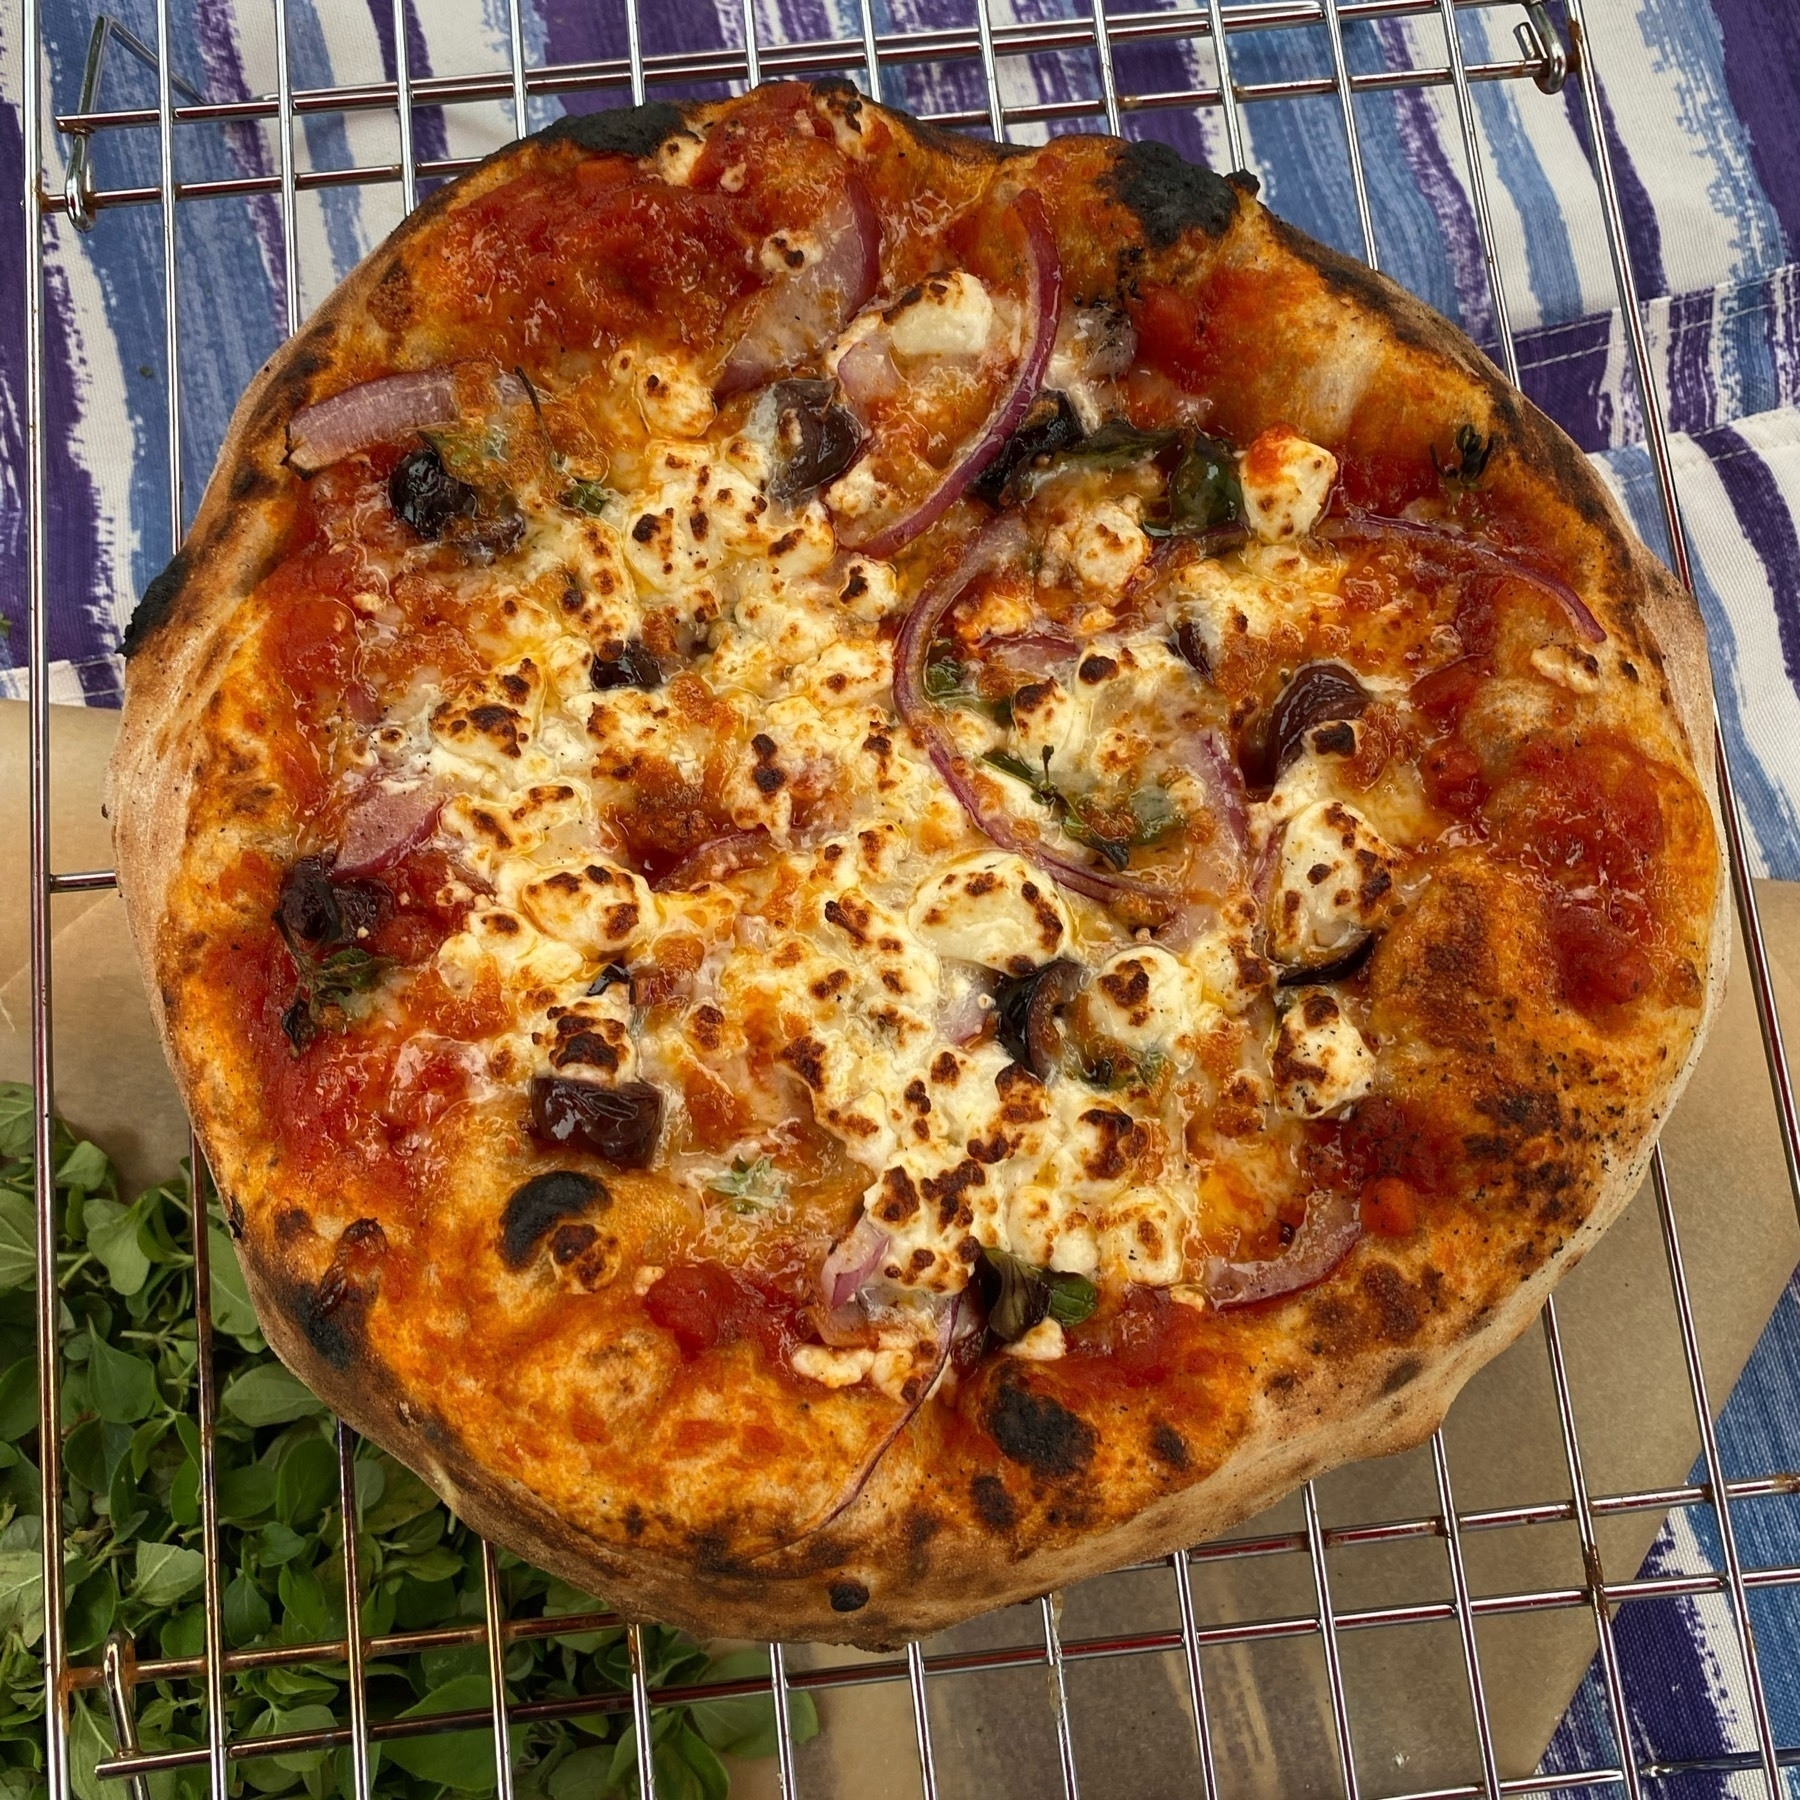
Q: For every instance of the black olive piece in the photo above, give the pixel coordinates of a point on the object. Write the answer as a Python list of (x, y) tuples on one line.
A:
[(1025, 1009), (307, 911), (610, 976), (1204, 491), (816, 440), (319, 911), (1190, 646), (1050, 424), (1346, 966), (633, 667), (540, 1205), (1318, 691), (298, 1022), (621, 1123), (427, 496)]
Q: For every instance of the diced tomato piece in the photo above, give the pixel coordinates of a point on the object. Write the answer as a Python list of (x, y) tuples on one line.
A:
[(1598, 964), (1454, 782)]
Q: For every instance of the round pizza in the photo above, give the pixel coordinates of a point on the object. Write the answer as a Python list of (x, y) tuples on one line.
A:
[(884, 870)]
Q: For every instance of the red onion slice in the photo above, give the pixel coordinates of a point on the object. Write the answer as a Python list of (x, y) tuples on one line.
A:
[(385, 824), (1030, 655), (715, 860), (1204, 755), (853, 1260), (947, 1333), (999, 539), (1043, 301), (1330, 1230), (803, 309), (1372, 528), (384, 410)]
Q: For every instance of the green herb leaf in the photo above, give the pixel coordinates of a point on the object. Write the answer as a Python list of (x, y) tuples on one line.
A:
[(18, 1401), (1072, 1297), (22, 1594), (1020, 1296), (123, 1386), (268, 1395), (752, 1186), (114, 1234), (589, 497), (85, 1167), (165, 1572), (15, 1120), (18, 1240), (463, 1760), (943, 678)]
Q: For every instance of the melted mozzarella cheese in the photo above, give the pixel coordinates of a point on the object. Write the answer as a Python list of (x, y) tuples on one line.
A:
[(1321, 1061), (993, 909), (946, 315), (1286, 481), (1334, 885)]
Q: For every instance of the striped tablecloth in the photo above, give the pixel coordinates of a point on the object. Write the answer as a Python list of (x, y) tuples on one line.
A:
[(1705, 123)]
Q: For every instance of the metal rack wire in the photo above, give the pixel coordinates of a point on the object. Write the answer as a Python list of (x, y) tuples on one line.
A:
[(1096, 33)]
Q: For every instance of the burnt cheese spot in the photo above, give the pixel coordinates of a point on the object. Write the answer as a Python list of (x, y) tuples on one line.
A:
[(1040, 1433), (540, 1205)]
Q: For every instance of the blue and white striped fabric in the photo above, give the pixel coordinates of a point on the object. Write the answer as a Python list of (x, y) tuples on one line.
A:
[(1704, 126)]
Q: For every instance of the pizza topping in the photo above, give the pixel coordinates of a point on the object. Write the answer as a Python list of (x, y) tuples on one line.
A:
[(1325, 1237), (994, 910), (386, 823), (1019, 1298), (821, 278), (1321, 1062), (1286, 481), (1042, 298), (1026, 1009), (812, 440), (1458, 547), (621, 1124), (633, 667), (1318, 692), (392, 408), (1334, 884), (1050, 424)]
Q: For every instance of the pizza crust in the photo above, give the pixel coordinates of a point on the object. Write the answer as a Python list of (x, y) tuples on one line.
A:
[(875, 1576)]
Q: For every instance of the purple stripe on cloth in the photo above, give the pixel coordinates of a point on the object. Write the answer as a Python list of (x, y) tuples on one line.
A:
[(431, 137), (12, 392), (1568, 380), (1762, 513), (1693, 395), (215, 25), (1643, 236), (1762, 73), (576, 33), (1442, 188)]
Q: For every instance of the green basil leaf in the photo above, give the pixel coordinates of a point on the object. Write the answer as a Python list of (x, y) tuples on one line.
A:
[(114, 1236), (123, 1386), (697, 1759), (18, 1241), (18, 1400), (305, 1482), (463, 1760), (586, 497), (246, 1611), (92, 1608), (22, 1594), (184, 1494), (185, 1634), (584, 1775), (15, 1120), (85, 1167), (1072, 1298), (268, 1395), (231, 1309), (746, 1726), (88, 1743), (165, 1572)]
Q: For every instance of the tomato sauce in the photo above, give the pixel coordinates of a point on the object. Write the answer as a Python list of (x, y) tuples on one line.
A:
[(705, 1306)]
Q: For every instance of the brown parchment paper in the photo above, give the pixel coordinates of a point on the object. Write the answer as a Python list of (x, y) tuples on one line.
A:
[(1268, 1704)]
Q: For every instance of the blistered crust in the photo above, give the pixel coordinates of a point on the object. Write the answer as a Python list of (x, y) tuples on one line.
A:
[(1021, 1490)]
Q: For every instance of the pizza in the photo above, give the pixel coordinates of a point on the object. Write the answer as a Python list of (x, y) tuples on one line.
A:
[(885, 870)]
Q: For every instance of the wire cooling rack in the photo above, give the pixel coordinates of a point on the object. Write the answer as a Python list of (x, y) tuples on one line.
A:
[(1171, 1628)]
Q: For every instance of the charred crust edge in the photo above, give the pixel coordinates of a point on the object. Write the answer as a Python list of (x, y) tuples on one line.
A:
[(1168, 195), (635, 131), (158, 602)]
